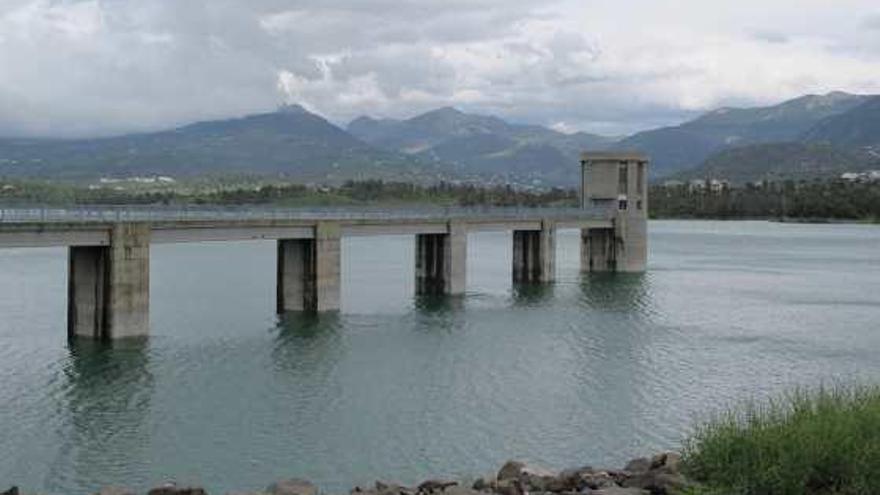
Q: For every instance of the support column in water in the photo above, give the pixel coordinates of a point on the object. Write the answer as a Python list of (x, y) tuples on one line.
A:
[(598, 251), (109, 286), (308, 275), (441, 261), (534, 255)]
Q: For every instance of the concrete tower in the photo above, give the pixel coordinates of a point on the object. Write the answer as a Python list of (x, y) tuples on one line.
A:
[(615, 183)]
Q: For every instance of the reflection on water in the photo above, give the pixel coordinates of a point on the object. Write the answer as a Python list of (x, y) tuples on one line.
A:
[(532, 294), (104, 406), (591, 369), (629, 292), (437, 303)]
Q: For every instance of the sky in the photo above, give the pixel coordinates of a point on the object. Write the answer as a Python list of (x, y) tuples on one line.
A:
[(73, 68)]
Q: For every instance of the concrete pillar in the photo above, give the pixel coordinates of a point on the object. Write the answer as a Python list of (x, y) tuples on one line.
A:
[(441, 261), (109, 287), (598, 250), (534, 255), (328, 267), (632, 243), (309, 271), (295, 274), (86, 281)]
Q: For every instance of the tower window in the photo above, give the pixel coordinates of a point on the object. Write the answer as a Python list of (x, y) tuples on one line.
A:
[(623, 179)]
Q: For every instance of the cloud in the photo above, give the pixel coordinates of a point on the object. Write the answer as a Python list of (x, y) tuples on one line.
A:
[(89, 67), (872, 22)]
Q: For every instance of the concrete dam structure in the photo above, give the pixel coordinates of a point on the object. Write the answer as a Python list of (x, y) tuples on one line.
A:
[(109, 249)]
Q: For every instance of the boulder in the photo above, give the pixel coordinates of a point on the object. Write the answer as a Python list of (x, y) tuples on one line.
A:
[(509, 486), (597, 480), (660, 481), (392, 489), (172, 489), (292, 486), (460, 490), (511, 470), (485, 484), (571, 480), (431, 486), (616, 490), (639, 465), (668, 460)]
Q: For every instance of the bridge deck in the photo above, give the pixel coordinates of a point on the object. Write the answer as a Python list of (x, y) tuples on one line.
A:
[(43, 227)]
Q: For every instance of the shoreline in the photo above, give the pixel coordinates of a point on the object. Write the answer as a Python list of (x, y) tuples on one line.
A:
[(792, 220), (656, 475)]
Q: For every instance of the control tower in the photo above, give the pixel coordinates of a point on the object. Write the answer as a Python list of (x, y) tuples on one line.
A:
[(616, 183)]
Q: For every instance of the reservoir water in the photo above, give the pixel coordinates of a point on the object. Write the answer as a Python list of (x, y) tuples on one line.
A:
[(592, 369)]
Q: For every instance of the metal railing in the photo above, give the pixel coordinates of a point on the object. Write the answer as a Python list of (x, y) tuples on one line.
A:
[(112, 214)]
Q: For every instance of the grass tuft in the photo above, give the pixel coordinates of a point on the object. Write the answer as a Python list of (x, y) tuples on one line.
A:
[(824, 441)]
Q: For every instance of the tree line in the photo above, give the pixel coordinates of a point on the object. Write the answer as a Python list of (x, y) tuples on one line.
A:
[(805, 200)]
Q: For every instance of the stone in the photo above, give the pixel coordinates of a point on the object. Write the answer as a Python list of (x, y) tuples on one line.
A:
[(571, 479), (115, 490), (639, 465), (598, 480), (292, 486), (392, 489), (540, 482), (460, 490), (509, 486), (616, 490), (11, 491), (658, 481), (510, 470), (484, 484), (668, 460), (431, 486), (172, 489)]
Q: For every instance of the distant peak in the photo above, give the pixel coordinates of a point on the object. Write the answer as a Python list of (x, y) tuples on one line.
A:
[(292, 108), (446, 111)]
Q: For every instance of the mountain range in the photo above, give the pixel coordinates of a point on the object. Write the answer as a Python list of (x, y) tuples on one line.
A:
[(484, 145), (289, 143), (810, 136)]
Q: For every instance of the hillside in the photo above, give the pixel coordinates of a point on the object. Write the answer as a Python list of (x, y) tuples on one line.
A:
[(682, 147), (290, 143), (779, 161), (859, 127), (485, 145), (840, 130)]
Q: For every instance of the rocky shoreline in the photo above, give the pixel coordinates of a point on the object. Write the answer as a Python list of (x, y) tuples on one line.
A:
[(657, 475)]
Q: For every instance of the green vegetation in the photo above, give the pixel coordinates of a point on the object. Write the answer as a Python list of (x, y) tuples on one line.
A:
[(810, 201), (244, 192), (800, 161), (822, 442)]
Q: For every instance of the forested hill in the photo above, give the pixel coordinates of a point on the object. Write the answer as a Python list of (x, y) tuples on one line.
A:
[(483, 144), (289, 143), (686, 146), (847, 142)]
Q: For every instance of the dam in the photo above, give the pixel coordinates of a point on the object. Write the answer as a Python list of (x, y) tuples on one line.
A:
[(109, 248)]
